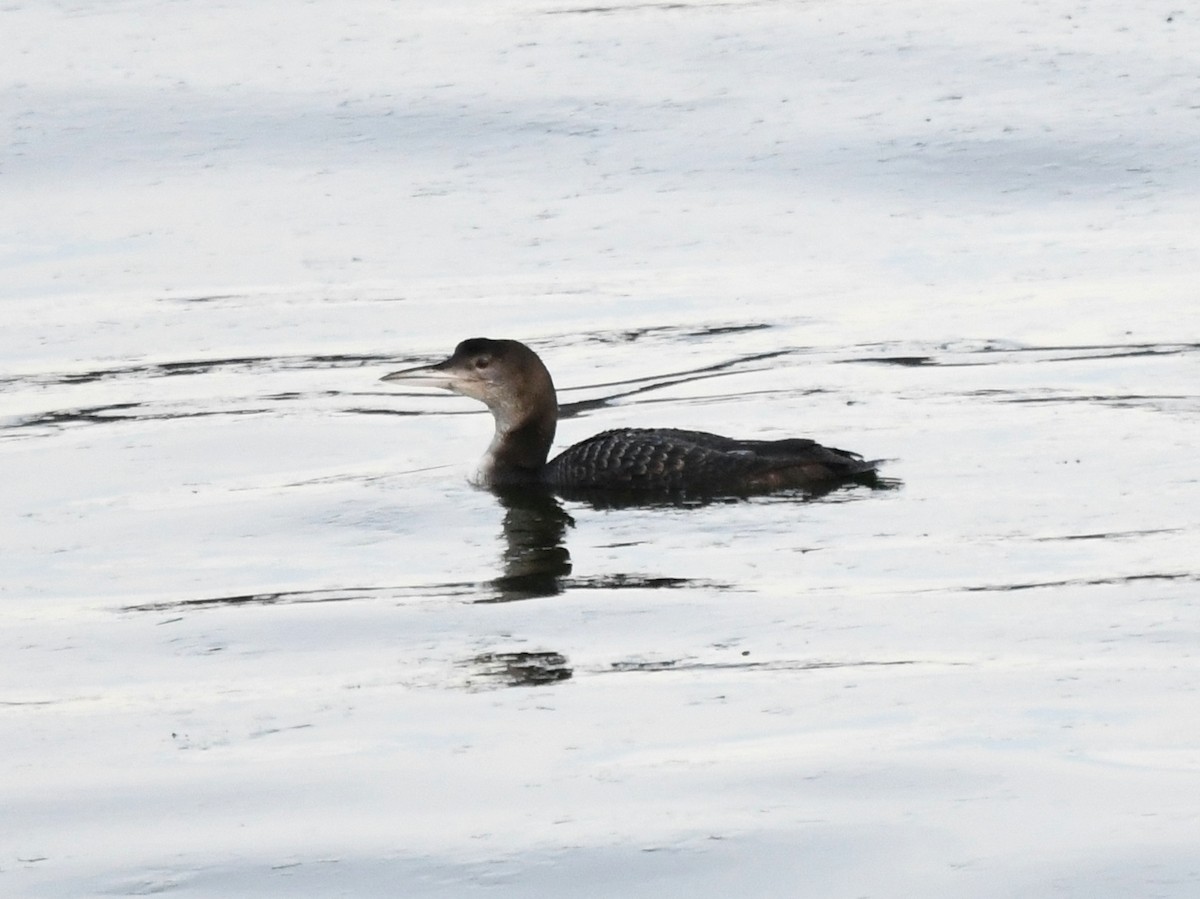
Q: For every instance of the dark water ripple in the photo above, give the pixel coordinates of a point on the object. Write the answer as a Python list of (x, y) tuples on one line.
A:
[(189, 367), (497, 590), (1115, 580), (601, 394)]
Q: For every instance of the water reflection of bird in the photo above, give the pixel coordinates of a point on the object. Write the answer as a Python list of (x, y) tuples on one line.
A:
[(514, 383), (536, 558)]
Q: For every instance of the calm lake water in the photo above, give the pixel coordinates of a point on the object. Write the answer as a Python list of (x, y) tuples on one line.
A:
[(263, 638)]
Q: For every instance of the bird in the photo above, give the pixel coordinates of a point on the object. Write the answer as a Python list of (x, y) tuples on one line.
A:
[(513, 382)]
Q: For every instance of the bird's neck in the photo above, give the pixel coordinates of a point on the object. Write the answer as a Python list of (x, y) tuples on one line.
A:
[(521, 443)]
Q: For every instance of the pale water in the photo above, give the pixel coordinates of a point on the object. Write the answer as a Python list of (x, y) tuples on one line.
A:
[(264, 638)]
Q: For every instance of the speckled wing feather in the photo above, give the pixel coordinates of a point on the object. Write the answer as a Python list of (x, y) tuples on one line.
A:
[(669, 460)]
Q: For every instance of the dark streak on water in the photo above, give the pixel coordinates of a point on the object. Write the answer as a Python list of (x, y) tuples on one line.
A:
[(907, 361), (201, 367), (112, 413), (525, 668), (1130, 400), (1086, 582), (521, 668), (1111, 535), (494, 590), (671, 332), (958, 355), (988, 353), (669, 6), (773, 665), (658, 382)]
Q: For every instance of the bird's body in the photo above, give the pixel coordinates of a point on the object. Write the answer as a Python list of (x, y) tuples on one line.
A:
[(696, 461), (514, 383)]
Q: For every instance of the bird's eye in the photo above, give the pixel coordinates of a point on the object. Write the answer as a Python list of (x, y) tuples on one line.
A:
[(482, 363)]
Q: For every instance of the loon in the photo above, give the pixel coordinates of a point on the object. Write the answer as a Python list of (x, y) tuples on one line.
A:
[(515, 385)]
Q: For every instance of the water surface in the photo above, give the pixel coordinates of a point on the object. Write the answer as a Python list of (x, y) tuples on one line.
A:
[(264, 638)]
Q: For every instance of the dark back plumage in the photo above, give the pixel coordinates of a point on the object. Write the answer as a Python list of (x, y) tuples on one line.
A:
[(668, 459)]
